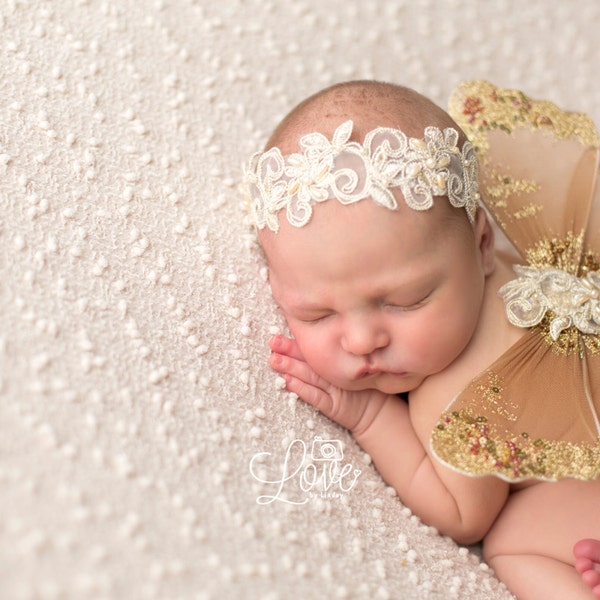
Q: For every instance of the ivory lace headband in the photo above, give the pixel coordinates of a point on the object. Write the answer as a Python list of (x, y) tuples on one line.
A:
[(349, 172)]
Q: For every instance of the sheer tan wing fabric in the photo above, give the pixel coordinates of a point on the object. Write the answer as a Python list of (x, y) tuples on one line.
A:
[(592, 236), (534, 412)]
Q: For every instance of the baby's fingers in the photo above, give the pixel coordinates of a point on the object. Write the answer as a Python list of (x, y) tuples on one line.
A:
[(303, 381), (284, 345), (287, 365), (311, 394)]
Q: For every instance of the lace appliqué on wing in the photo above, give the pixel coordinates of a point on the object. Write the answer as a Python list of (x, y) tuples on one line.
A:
[(571, 300)]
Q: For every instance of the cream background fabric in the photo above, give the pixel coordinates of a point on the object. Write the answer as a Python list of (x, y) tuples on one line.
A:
[(134, 308)]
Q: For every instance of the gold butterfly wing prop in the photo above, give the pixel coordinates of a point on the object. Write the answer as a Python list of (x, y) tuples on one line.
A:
[(534, 412)]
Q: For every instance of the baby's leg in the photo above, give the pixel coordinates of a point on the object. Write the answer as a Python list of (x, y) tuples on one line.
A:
[(587, 563), (531, 577), (530, 546)]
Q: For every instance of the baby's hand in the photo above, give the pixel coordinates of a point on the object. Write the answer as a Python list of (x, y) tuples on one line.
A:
[(348, 409)]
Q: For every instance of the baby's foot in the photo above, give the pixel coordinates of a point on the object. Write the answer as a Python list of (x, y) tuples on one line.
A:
[(587, 563)]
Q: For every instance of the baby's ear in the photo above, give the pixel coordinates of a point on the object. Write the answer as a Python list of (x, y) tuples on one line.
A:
[(484, 238)]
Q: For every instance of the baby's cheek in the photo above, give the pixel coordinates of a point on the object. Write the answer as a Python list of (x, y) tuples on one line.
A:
[(319, 360), (315, 357), (307, 342), (321, 353)]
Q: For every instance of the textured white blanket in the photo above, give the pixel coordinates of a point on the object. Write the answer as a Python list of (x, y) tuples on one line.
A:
[(136, 405)]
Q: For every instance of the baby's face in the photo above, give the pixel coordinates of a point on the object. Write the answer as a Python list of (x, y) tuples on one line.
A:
[(377, 298)]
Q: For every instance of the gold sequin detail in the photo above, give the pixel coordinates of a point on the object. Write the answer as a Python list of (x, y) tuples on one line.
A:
[(473, 445), (491, 393), (569, 341), (479, 106), (528, 211), (589, 262), (501, 187), (557, 253)]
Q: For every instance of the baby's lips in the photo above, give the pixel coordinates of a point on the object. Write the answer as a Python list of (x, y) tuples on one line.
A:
[(365, 371)]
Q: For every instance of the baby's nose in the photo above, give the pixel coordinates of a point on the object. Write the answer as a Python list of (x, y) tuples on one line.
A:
[(363, 337)]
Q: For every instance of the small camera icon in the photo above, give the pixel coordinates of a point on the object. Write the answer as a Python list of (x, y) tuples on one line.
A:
[(326, 450)]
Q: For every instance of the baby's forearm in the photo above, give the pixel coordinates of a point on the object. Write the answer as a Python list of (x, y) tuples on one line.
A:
[(387, 435), (403, 462)]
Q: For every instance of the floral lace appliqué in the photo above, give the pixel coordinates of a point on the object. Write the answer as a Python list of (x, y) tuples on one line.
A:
[(349, 172), (572, 300)]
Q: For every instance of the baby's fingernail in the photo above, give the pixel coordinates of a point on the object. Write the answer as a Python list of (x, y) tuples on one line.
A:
[(275, 359)]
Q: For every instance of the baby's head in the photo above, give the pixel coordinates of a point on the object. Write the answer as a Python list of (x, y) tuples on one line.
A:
[(366, 205)]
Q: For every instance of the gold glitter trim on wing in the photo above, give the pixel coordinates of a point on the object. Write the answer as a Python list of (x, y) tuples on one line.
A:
[(479, 106), (470, 444)]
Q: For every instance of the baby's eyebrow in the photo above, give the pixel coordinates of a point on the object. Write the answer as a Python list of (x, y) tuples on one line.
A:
[(408, 286), (293, 301), (305, 304)]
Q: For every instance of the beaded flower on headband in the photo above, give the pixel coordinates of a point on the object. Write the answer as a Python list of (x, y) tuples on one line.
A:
[(349, 172)]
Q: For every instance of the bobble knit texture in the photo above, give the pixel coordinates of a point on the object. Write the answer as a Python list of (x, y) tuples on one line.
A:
[(134, 306)]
